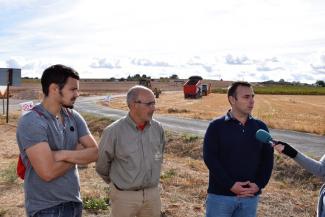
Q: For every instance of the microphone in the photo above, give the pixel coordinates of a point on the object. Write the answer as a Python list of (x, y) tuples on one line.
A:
[(71, 128), (264, 137)]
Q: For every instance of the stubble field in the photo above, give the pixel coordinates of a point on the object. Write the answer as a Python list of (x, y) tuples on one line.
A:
[(292, 112), (184, 179), (291, 191)]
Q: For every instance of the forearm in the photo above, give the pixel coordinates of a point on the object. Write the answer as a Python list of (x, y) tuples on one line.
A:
[(83, 156), (210, 157), (57, 169), (216, 170), (315, 167), (265, 172), (103, 169), (44, 162), (106, 178), (264, 177)]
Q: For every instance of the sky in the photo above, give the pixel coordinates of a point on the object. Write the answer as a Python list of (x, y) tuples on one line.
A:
[(250, 40)]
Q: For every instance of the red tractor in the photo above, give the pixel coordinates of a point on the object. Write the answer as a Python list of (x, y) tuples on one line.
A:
[(194, 88)]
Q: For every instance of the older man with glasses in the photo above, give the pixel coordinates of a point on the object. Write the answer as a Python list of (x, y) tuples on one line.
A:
[(130, 158)]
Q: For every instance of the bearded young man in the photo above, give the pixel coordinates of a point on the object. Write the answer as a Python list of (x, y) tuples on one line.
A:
[(53, 138)]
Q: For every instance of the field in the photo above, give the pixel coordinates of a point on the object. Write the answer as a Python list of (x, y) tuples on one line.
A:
[(294, 112), (184, 179), (305, 113), (291, 191)]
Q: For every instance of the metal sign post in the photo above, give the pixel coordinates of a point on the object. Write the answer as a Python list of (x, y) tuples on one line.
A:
[(3, 104), (3, 90), (8, 77), (7, 116), (9, 82)]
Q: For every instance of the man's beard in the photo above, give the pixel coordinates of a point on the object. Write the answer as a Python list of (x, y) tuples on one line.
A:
[(68, 106)]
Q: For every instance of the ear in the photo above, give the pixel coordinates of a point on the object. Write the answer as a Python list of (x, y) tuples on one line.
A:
[(53, 88), (231, 100)]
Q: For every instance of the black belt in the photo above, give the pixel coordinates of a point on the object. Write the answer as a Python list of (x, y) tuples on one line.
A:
[(137, 189)]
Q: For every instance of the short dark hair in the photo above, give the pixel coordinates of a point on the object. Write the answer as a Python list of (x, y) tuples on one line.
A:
[(57, 74), (233, 87)]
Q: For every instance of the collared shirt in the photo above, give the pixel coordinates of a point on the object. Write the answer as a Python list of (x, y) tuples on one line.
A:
[(129, 157), (229, 116), (37, 126), (232, 154)]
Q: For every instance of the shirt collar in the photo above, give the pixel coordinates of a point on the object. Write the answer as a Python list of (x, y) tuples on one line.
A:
[(48, 114), (133, 124), (229, 116)]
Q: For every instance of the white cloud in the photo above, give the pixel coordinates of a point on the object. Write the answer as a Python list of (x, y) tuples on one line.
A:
[(103, 63), (242, 60), (247, 39), (147, 62)]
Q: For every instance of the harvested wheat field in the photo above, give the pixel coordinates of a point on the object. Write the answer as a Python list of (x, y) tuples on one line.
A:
[(184, 179), (305, 113), (293, 112)]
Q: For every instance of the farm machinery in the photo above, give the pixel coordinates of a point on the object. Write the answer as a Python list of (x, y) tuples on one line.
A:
[(194, 88), (147, 83)]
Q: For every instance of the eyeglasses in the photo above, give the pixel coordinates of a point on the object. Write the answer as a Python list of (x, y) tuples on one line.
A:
[(149, 104)]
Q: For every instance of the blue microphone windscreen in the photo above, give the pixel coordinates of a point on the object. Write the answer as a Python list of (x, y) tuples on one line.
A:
[(263, 136)]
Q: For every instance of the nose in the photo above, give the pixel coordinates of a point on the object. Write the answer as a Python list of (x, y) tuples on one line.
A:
[(77, 93), (252, 101)]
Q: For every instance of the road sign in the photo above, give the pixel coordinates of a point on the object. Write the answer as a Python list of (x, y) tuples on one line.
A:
[(11, 76)]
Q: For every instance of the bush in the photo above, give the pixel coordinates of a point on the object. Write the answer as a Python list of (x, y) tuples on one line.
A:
[(189, 138), (168, 174), (9, 174), (94, 204)]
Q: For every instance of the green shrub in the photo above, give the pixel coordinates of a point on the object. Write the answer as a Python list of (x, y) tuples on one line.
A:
[(9, 174), (168, 174), (189, 138), (91, 203)]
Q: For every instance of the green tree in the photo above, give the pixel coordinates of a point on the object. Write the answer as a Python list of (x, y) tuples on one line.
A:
[(320, 83), (173, 76)]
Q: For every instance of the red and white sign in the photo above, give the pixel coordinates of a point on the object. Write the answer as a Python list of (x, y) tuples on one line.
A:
[(26, 106)]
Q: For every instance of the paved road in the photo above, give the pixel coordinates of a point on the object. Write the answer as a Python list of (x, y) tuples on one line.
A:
[(308, 143)]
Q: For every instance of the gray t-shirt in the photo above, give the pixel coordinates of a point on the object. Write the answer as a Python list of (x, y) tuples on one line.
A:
[(38, 125)]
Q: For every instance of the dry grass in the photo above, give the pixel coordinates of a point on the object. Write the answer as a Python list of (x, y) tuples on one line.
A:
[(294, 112), (291, 191), (184, 180), (300, 113)]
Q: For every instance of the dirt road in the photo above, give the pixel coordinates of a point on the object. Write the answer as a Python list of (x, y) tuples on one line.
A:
[(311, 144)]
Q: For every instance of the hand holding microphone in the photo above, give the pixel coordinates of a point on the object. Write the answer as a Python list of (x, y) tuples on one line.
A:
[(282, 147)]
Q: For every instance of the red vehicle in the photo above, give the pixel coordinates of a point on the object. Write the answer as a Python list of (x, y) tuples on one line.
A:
[(193, 87)]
